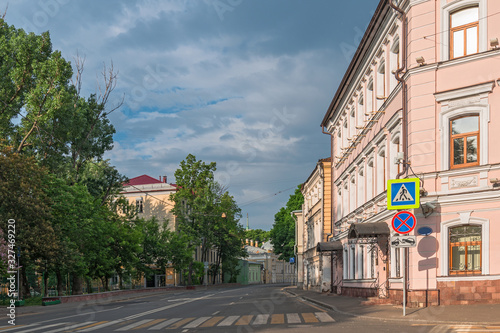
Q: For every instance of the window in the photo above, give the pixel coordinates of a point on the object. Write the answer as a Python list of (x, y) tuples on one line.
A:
[(381, 171), (369, 180), (352, 123), (465, 249), (361, 253), (369, 97), (352, 195), (361, 111), (352, 262), (139, 205), (339, 204), (464, 141), (395, 63), (345, 201), (464, 32), (380, 84), (373, 261), (361, 187)]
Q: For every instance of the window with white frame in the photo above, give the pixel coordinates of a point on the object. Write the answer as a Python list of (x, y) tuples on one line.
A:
[(369, 97), (361, 258), (465, 128), (352, 122), (395, 63), (361, 111), (396, 263), (361, 186), (352, 262), (339, 142), (465, 246), (464, 32), (395, 148), (352, 194), (345, 135), (380, 84), (345, 262), (369, 179), (464, 26), (381, 171), (139, 205), (345, 200), (373, 261), (339, 204)]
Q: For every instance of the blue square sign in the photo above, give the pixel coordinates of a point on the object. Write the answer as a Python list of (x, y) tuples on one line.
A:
[(403, 193)]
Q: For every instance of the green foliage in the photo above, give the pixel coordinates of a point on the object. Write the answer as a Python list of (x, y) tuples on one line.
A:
[(206, 213), (283, 231), (258, 235)]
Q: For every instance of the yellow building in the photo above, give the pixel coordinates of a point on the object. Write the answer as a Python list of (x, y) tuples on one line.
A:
[(151, 198)]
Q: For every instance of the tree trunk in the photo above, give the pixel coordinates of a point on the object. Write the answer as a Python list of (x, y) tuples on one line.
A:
[(45, 284), (76, 288), (25, 288), (59, 283)]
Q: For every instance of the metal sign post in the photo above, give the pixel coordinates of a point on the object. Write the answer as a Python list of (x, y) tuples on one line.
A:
[(404, 283)]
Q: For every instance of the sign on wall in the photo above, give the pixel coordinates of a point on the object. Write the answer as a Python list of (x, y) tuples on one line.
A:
[(403, 193)]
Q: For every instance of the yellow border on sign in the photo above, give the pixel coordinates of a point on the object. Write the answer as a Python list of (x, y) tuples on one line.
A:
[(406, 180)]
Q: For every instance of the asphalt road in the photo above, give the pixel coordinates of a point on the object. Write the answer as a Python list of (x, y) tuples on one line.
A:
[(260, 308)]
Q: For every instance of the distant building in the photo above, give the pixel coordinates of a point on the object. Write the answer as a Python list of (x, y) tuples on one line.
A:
[(272, 269), (316, 226)]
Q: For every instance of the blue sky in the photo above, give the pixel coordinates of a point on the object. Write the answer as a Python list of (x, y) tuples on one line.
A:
[(244, 83)]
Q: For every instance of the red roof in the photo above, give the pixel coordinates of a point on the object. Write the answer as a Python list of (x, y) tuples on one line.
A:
[(143, 180)]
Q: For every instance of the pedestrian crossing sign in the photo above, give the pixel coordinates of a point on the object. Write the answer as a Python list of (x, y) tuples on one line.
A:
[(403, 193)]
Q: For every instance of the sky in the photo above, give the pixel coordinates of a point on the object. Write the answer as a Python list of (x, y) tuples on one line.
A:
[(243, 83)]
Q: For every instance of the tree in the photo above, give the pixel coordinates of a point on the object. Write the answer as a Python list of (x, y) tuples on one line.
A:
[(257, 235), (23, 198), (206, 213), (283, 231)]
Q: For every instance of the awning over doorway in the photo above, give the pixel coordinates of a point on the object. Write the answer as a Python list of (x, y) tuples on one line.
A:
[(329, 246), (363, 230)]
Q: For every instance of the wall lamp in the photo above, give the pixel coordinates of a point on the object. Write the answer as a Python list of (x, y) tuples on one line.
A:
[(420, 61), (495, 182), (494, 43)]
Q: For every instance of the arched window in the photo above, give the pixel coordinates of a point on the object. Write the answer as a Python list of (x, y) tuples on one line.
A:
[(381, 171), (361, 111), (464, 32), (369, 96), (361, 187), (352, 194), (369, 180), (380, 84), (464, 141), (395, 63), (465, 249)]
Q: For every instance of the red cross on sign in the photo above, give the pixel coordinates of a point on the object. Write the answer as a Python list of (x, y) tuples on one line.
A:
[(404, 222)]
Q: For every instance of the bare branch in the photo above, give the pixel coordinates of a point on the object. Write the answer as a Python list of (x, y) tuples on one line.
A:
[(79, 64), (5, 11)]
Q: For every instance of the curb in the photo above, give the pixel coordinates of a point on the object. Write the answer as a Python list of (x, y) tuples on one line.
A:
[(403, 319)]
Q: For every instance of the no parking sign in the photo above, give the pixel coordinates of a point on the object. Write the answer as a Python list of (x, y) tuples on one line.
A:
[(404, 222)]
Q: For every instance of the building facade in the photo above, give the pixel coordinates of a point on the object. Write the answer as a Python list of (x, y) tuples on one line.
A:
[(316, 227), (420, 99)]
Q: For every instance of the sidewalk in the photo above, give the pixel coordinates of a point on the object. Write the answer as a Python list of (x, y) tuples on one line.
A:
[(450, 314)]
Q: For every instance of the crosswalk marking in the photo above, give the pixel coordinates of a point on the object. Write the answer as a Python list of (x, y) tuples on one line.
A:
[(121, 325), (180, 323), (324, 317), (134, 325), (164, 324), (228, 321), (10, 328), (70, 327), (244, 320), (41, 328), (197, 322), (212, 322), (261, 319), (309, 317), (278, 319), (105, 324), (293, 318)]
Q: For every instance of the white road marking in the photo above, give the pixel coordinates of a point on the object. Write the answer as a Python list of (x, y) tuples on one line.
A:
[(197, 322), (164, 324), (71, 327), (324, 317), (293, 318), (134, 325), (41, 328), (228, 321), (216, 312), (261, 319), (90, 329)]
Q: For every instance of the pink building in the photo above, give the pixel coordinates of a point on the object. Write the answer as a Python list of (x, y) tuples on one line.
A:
[(421, 98)]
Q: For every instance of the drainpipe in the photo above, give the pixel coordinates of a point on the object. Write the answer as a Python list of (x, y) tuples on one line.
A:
[(404, 86)]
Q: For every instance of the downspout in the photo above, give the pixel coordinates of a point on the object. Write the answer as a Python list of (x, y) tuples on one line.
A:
[(331, 202), (404, 86)]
